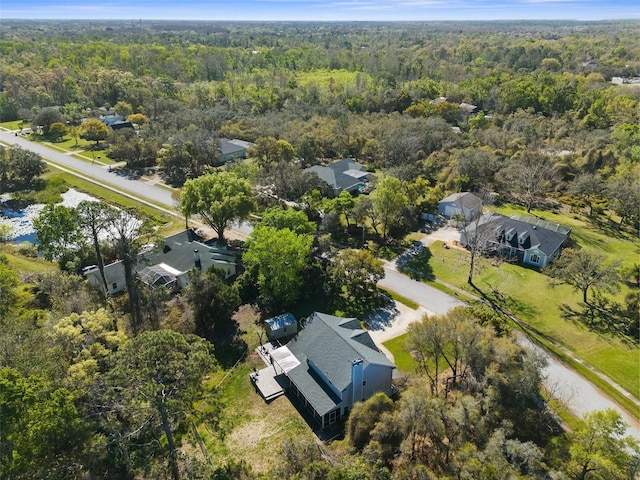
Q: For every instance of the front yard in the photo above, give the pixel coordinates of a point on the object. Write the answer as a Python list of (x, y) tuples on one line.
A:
[(525, 293)]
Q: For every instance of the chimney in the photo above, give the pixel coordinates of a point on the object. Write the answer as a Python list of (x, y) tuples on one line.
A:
[(357, 373), (196, 259)]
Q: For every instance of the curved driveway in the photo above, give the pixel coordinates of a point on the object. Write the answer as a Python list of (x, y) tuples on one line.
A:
[(579, 394)]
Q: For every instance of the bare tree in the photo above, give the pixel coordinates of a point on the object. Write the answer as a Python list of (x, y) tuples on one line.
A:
[(529, 174), (126, 231), (475, 238), (94, 219)]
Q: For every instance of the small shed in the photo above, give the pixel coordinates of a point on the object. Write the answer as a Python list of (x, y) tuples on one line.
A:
[(281, 326)]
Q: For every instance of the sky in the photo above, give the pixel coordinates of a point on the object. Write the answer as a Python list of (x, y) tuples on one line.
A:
[(323, 10)]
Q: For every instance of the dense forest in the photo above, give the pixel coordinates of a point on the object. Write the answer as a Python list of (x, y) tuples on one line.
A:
[(522, 112)]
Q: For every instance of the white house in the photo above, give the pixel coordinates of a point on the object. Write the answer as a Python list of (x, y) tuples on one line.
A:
[(462, 203), (169, 265)]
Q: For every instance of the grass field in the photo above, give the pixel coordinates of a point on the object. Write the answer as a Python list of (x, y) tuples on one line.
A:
[(526, 293), (249, 429), (325, 77), (167, 224), (402, 358), (14, 125)]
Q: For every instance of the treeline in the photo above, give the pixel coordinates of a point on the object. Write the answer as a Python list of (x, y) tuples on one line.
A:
[(333, 90), (55, 64)]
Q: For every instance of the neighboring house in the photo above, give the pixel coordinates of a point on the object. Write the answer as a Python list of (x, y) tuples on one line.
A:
[(281, 326), (116, 122), (345, 174), (233, 149), (463, 203), (530, 241), (169, 265), (466, 109), (625, 80), (331, 364), (469, 109)]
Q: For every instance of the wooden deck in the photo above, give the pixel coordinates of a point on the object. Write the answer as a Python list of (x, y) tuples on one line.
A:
[(269, 382)]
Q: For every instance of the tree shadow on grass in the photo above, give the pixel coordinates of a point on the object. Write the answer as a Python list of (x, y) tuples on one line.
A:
[(505, 303), (228, 342), (417, 266), (604, 317)]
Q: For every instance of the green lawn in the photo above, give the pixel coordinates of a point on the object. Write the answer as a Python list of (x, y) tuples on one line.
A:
[(14, 125), (402, 358), (526, 293), (593, 234), (248, 428), (69, 144), (168, 223)]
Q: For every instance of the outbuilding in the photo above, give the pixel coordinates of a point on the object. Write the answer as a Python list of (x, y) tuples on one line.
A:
[(281, 326)]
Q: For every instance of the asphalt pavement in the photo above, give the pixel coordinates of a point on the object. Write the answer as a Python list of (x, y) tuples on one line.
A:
[(433, 300), (579, 394), (96, 172)]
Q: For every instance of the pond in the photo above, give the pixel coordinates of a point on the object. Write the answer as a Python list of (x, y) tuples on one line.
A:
[(21, 221)]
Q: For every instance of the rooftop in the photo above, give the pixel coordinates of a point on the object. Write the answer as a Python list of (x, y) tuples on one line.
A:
[(331, 344)]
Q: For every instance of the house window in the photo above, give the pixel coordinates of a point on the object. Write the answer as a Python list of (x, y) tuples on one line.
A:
[(114, 285), (332, 417), (535, 258)]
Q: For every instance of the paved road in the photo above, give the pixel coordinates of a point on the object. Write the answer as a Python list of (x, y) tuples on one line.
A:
[(433, 300), (577, 393), (100, 173), (144, 191)]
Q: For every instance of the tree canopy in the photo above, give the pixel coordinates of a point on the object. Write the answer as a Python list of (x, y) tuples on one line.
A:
[(219, 198), (584, 270), (278, 259)]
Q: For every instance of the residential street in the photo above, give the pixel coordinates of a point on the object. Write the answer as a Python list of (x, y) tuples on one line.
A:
[(571, 388), (144, 191), (137, 188), (577, 392), (433, 300)]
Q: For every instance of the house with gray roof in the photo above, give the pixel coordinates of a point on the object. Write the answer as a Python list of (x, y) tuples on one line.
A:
[(462, 203), (233, 149), (333, 363), (169, 264), (116, 122), (527, 240), (345, 174)]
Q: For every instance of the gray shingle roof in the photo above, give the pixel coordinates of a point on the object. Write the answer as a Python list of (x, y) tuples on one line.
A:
[(178, 253), (342, 175), (531, 235), (331, 344), (465, 199), (229, 146)]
